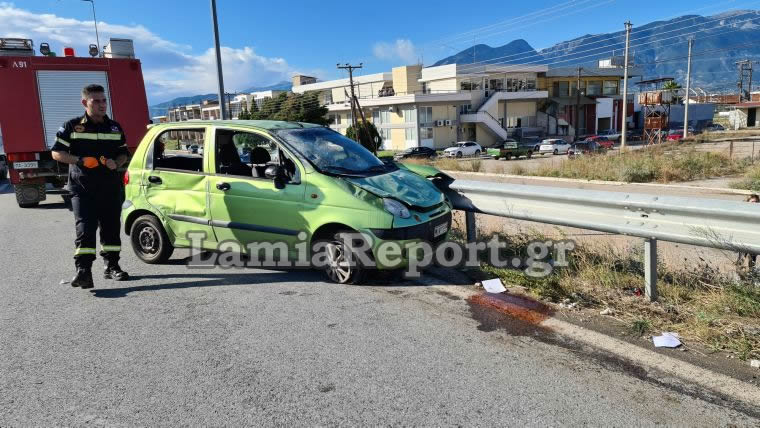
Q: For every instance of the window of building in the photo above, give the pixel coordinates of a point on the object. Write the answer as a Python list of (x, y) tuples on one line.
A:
[(611, 87), (465, 108), (410, 114), (328, 97), (380, 117), (561, 89), (594, 87), (574, 84), (426, 114), (426, 133), (411, 134), (385, 134), (530, 84)]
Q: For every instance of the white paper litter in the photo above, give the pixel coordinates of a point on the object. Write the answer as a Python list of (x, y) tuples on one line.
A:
[(755, 364), (667, 340), (494, 286)]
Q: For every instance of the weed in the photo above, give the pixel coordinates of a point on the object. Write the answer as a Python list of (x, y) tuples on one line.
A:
[(641, 327)]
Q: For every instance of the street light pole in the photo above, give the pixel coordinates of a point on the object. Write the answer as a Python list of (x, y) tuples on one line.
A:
[(624, 127), (94, 19), (222, 109)]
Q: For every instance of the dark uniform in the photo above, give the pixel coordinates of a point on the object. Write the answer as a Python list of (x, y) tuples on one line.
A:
[(97, 193)]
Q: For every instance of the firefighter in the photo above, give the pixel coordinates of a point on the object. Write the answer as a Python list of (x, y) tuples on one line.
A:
[(94, 146)]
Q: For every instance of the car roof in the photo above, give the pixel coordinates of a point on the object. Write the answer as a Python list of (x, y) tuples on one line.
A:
[(269, 125)]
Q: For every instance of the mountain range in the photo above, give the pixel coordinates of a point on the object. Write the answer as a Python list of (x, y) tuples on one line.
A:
[(660, 48), (161, 108)]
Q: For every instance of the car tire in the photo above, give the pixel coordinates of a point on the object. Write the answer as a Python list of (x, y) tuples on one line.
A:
[(459, 154), (477, 153), (556, 151), (497, 157), (508, 156), (529, 155), (340, 271), (149, 240)]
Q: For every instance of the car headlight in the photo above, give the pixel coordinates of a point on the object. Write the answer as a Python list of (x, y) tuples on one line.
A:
[(396, 208)]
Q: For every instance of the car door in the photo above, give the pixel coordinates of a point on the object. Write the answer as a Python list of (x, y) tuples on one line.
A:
[(246, 206), (175, 185)]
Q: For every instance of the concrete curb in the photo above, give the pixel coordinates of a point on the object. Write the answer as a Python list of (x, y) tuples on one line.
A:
[(715, 382), (608, 183)]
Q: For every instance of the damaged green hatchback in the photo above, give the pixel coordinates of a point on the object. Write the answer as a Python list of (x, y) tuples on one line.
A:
[(283, 183)]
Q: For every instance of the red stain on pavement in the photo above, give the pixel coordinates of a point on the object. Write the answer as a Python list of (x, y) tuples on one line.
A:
[(520, 307)]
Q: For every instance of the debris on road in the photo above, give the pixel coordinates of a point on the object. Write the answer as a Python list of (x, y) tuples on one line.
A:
[(608, 311), (568, 304), (755, 364), (667, 340), (64, 281), (494, 286)]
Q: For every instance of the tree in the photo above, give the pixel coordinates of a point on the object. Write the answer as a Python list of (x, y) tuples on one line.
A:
[(293, 108), (361, 138), (244, 115), (673, 87)]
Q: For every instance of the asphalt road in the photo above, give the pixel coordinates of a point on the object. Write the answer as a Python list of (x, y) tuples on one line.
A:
[(231, 347)]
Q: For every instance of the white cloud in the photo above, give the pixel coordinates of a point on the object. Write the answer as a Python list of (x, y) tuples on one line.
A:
[(170, 69), (401, 49)]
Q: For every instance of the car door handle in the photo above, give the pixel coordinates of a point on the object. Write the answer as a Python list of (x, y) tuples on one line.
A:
[(154, 179), (223, 186)]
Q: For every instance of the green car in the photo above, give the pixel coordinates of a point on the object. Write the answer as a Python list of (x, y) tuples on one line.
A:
[(510, 149), (276, 182)]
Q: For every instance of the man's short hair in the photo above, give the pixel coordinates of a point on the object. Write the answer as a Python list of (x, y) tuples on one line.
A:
[(92, 89)]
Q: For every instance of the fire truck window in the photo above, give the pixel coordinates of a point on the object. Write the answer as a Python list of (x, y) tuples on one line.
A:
[(178, 149)]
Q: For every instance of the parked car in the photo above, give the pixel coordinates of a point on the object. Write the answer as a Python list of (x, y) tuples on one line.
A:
[(306, 184), (601, 140), (675, 135), (3, 167), (611, 134), (511, 149), (463, 148), (585, 148), (416, 153), (553, 146), (534, 142), (634, 135), (715, 127)]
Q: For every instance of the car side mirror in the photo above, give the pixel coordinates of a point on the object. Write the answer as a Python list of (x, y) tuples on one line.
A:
[(276, 173)]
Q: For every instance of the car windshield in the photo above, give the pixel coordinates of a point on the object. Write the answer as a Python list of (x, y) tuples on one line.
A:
[(332, 152)]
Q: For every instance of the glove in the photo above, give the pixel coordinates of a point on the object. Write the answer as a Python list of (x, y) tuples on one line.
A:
[(88, 162)]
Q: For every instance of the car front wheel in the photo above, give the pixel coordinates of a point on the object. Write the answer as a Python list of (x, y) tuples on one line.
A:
[(477, 153), (529, 155), (459, 154), (556, 151), (342, 263)]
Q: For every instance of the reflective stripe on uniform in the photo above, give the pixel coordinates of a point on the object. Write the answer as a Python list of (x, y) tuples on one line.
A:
[(80, 251), (111, 248), (62, 141), (96, 136)]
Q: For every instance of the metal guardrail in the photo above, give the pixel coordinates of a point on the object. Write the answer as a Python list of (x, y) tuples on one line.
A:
[(703, 222)]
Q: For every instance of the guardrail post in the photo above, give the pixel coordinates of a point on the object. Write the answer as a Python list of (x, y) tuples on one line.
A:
[(650, 269), (472, 228)]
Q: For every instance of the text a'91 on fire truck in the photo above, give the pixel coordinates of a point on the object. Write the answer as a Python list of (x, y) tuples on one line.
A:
[(42, 92)]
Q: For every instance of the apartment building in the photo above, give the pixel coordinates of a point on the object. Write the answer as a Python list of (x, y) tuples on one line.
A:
[(438, 106), (598, 105)]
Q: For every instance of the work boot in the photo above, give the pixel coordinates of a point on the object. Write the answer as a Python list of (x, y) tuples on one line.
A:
[(114, 272), (83, 279)]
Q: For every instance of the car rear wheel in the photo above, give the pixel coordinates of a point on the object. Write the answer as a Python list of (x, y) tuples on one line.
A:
[(508, 156), (477, 153), (149, 240), (529, 155), (338, 268), (459, 154), (556, 151)]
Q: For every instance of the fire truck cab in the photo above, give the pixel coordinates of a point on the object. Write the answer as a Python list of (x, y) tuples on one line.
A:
[(42, 92)]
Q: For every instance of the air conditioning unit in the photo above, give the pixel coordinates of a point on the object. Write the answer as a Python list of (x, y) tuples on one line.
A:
[(438, 123), (447, 122)]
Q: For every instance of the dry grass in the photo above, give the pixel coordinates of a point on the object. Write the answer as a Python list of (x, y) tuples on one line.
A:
[(750, 181), (664, 163), (702, 304)]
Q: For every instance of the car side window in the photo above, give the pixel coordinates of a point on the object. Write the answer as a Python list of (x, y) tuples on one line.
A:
[(248, 154), (171, 150)]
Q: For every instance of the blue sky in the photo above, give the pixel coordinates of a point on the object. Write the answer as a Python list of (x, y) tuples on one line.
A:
[(265, 42)]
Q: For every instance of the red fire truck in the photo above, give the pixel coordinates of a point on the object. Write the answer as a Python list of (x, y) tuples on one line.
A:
[(40, 93)]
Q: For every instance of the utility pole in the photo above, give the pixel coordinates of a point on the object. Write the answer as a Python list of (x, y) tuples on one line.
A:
[(355, 107), (95, 20), (578, 103), (686, 101), (222, 107), (624, 127)]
